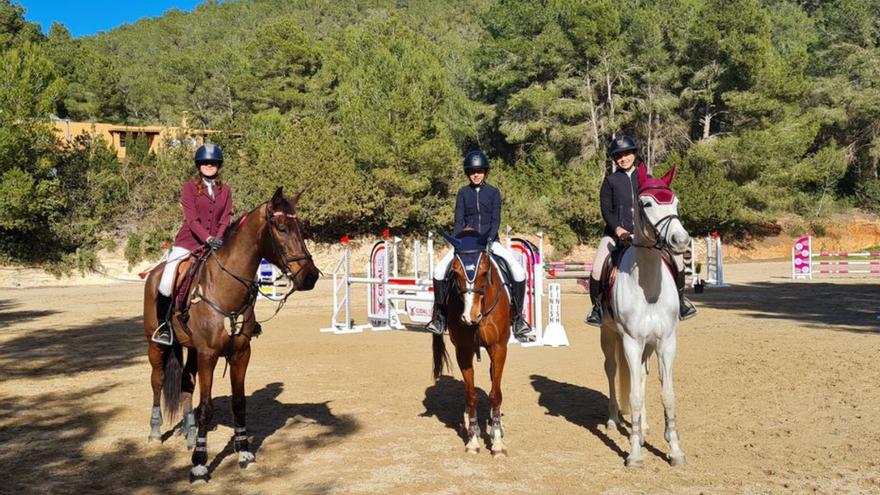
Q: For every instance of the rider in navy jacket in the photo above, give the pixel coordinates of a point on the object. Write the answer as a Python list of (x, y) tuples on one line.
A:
[(478, 207)]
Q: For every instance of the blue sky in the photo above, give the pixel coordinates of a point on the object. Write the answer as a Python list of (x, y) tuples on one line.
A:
[(85, 17)]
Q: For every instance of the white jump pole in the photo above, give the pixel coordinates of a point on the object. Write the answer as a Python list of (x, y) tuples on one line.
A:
[(342, 283)]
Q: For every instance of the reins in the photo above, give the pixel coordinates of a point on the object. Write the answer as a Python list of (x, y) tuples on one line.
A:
[(252, 287)]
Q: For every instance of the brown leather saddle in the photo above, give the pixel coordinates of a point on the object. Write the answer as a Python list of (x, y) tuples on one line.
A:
[(188, 271), (612, 267)]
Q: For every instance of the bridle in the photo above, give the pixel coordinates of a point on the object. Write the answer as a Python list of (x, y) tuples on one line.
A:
[(470, 285), (253, 288), (279, 251), (661, 227)]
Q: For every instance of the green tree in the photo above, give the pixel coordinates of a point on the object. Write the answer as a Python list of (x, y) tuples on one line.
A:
[(398, 113)]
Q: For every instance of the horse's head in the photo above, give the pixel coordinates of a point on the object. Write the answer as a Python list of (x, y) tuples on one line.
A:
[(471, 270), (283, 243), (658, 211)]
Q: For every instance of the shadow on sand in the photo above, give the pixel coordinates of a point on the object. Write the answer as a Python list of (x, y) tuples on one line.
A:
[(445, 401), (583, 407), (267, 415), (9, 318), (49, 442), (102, 345), (842, 307)]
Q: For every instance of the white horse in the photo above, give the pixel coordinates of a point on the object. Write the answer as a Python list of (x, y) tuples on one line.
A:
[(644, 313)]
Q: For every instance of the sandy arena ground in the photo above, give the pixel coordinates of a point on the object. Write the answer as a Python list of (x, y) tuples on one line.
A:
[(777, 388)]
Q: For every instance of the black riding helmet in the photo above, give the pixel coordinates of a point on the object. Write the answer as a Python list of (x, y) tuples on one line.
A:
[(475, 160), (209, 153), (621, 144)]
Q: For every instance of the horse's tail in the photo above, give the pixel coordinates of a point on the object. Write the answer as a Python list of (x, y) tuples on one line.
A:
[(441, 357), (623, 378), (171, 384)]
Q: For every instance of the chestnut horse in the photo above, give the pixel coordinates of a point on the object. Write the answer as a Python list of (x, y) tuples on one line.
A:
[(224, 290), (478, 315)]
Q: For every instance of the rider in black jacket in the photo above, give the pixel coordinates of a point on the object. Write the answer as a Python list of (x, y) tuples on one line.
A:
[(617, 199)]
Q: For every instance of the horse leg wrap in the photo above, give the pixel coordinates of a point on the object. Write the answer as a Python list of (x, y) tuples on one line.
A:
[(155, 423), (189, 430), (240, 440), (200, 453), (156, 416), (496, 426), (474, 427), (240, 444)]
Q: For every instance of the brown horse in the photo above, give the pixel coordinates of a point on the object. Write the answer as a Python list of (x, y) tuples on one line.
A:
[(224, 290), (478, 315)]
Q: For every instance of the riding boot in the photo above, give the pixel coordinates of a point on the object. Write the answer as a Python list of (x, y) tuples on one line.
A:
[(521, 328), (438, 320), (686, 308), (163, 335), (595, 316)]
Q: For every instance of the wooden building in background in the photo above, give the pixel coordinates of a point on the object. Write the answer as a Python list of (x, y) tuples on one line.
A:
[(117, 135)]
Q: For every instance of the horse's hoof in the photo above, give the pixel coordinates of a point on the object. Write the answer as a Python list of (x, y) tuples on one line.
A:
[(472, 450), (199, 474), (635, 463), (678, 461), (499, 454), (611, 425), (153, 437), (246, 460)]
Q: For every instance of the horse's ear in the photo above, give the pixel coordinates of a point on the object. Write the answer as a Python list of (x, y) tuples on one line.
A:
[(278, 198), (296, 198), (455, 243), (643, 173), (484, 239), (667, 179)]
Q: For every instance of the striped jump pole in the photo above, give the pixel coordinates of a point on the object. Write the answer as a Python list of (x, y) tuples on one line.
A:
[(805, 263)]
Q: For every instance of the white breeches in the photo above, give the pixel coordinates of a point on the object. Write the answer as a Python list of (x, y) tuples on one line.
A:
[(519, 274), (166, 285), (606, 244)]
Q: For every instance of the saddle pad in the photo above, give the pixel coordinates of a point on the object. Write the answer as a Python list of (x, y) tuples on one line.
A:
[(611, 268)]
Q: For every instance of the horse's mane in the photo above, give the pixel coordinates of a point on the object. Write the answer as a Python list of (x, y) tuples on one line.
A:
[(233, 227)]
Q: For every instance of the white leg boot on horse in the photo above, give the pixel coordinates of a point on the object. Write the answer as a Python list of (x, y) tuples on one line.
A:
[(473, 433)]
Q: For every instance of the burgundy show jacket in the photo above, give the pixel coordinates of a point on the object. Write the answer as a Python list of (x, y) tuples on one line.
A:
[(203, 216)]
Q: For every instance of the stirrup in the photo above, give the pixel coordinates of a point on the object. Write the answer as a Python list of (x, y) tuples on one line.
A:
[(595, 317), (686, 311), (162, 338), (526, 334), (436, 326)]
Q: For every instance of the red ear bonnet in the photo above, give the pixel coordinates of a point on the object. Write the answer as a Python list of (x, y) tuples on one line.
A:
[(656, 188)]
